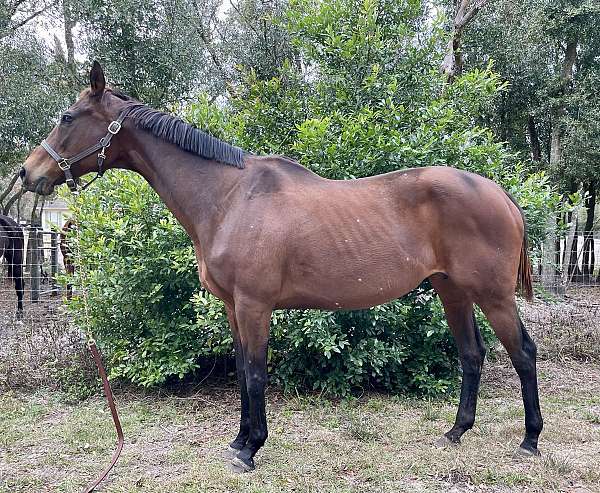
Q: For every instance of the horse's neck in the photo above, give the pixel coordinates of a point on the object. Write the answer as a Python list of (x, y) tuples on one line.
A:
[(194, 189)]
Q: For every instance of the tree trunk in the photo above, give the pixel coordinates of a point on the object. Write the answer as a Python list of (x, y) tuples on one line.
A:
[(549, 263), (452, 64), (568, 254), (8, 189), (573, 265), (559, 110), (534, 139), (69, 25), (6, 207), (549, 278)]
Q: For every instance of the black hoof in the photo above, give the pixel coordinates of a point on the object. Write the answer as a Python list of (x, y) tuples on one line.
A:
[(526, 452), (241, 465), (444, 442), (231, 452)]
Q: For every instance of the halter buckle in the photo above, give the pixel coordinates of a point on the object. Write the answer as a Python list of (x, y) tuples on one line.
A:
[(114, 127), (64, 165)]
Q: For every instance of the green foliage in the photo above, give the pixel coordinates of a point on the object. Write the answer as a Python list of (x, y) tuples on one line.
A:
[(527, 42), (30, 96), (402, 345), (139, 268), (146, 47)]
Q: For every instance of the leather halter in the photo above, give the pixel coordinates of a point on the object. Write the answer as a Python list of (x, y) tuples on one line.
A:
[(65, 163)]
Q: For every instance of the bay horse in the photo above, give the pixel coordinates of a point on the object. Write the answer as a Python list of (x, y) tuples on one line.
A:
[(11, 248), (270, 234)]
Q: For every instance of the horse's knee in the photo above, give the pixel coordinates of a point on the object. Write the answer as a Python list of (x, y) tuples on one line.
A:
[(472, 360), (255, 384)]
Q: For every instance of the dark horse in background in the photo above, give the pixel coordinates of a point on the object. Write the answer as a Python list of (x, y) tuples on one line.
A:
[(67, 253), (270, 234), (11, 248)]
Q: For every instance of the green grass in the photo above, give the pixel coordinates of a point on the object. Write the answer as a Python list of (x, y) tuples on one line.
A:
[(375, 443)]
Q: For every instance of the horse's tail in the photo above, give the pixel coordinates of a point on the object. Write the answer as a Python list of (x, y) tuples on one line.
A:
[(524, 282), (524, 277)]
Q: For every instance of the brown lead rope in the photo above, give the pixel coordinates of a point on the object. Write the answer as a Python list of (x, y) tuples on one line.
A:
[(115, 416), (65, 165)]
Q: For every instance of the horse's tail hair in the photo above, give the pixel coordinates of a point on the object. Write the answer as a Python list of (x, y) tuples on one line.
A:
[(524, 277), (524, 282)]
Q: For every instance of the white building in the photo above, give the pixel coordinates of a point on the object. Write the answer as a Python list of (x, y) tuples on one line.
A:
[(55, 215)]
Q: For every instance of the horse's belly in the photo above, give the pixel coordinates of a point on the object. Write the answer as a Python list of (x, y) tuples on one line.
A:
[(340, 288)]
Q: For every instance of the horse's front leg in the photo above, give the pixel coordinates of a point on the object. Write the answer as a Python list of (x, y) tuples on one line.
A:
[(253, 320), (242, 437)]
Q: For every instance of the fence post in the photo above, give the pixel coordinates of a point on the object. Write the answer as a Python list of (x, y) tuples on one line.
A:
[(35, 268), (54, 261), (551, 280)]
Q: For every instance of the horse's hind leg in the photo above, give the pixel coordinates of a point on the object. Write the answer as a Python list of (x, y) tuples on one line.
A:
[(461, 320), (19, 285), (15, 270), (503, 316), (20, 291)]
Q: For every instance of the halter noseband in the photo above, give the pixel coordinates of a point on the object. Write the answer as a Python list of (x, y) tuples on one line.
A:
[(65, 163)]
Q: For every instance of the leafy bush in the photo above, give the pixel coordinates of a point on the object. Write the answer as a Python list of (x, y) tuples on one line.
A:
[(374, 101)]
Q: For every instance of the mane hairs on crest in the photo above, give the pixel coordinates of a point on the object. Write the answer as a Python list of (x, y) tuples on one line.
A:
[(182, 134)]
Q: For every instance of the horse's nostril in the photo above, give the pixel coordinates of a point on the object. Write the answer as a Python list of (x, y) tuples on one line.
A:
[(22, 173)]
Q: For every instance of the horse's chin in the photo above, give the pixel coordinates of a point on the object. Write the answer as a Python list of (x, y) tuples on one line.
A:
[(43, 186)]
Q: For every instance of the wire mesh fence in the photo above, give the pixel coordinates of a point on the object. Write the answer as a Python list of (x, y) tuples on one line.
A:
[(567, 265), (31, 261)]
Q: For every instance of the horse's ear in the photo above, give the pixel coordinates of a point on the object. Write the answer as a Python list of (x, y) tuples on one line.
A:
[(97, 80)]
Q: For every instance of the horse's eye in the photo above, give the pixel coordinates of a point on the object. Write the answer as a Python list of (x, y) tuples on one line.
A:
[(66, 118)]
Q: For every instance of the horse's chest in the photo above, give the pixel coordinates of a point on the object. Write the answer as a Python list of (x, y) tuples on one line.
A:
[(205, 279), (209, 283)]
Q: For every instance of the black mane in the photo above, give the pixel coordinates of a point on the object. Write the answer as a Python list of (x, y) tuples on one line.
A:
[(182, 134)]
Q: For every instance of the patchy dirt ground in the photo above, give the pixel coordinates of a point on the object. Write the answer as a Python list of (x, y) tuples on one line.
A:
[(378, 443)]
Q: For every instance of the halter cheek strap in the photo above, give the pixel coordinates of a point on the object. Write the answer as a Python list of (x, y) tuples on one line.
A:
[(65, 163)]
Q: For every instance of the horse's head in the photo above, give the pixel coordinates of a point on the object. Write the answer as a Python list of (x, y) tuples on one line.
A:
[(80, 128)]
